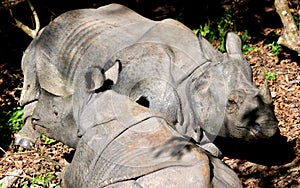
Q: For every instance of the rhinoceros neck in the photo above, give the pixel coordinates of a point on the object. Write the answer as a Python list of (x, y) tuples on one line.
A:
[(189, 123), (162, 74)]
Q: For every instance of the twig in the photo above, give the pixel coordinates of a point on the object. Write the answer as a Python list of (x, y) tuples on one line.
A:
[(42, 155), (291, 82), (25, 28), (23, 152), (294, 82), (2, 150), (19, 176)]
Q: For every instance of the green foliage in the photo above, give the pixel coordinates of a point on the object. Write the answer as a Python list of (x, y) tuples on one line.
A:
[(180, 16), (15, 121), (275, 47), (47, 141), (246, 47), (218, 30), (42, 181), (270, 76), (297, 20), (10, 122)]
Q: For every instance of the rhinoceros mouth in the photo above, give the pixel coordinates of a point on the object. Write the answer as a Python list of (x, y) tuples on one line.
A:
[(37, 125), (256, 132)]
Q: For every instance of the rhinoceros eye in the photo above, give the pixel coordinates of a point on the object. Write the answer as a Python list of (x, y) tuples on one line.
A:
[(231, 105)]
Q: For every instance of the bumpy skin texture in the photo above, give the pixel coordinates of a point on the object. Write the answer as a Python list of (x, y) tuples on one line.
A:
[(127, 145), (70, 93), (124, 144), (162, 65)]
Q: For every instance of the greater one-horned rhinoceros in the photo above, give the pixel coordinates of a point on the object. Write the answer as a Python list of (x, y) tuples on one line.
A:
[(159, 64), (124, 144), (127, 145)]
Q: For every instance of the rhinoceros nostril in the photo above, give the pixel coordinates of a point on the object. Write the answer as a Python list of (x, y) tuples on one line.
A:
[(256, 128), (34, 121), (256, 131)]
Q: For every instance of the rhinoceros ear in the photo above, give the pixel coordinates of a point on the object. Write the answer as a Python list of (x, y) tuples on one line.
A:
[(113, 72), (94, 78), (209, 52), (51, 80), (233, 44)]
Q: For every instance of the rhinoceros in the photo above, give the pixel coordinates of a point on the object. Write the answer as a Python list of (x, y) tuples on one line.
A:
[(125, 144), (162, 65)]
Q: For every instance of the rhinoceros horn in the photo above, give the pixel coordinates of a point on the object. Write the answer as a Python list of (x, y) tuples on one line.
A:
[(265, 94)]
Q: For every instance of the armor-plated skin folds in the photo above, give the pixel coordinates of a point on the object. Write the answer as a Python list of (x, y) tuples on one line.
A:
[(140, 100), (161, 65), (127, 145)]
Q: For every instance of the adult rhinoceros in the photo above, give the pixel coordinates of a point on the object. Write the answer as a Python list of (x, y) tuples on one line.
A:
[(127, 145), (159, 64)]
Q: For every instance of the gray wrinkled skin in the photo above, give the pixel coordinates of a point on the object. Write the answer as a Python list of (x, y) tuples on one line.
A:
[(123, 144), (160, 64), (127, 145)]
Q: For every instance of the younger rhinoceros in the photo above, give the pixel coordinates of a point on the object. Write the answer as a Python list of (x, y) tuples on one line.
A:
[(160, 64)]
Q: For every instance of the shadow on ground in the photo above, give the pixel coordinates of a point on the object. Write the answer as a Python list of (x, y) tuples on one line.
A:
[(274, 151)]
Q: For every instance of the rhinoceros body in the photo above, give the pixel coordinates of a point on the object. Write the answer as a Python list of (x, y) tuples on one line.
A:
[(160, 64), (127, 145), (66, 48), (167, 89)]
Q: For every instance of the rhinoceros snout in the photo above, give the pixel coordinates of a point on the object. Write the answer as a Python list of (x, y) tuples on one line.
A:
[(255, 131), (34, 122), (24, 142), (263, 130)]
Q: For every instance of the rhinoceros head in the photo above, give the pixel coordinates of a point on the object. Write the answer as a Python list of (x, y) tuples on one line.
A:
[(226, 102), (53, 116), (57, 116)]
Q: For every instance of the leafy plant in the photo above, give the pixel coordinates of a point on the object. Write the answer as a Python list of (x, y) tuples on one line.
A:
[(217, 31), (246, 47), (15, 121), (275, 47), (47, 140), (42, 181), (203, 30), (297, 20), (270, 76)]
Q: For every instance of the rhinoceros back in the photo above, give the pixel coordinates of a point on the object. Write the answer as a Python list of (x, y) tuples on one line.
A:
[(155, 71), (82, 38)]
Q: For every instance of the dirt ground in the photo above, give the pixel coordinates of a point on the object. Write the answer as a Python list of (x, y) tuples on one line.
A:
[(272, 164)]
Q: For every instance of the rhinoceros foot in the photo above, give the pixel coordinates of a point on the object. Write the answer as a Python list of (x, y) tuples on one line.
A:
[(212, 149), (23, 141)]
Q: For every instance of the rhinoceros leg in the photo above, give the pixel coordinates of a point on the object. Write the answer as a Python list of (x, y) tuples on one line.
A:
[(27, 136), (207, 144), (222, 175)]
